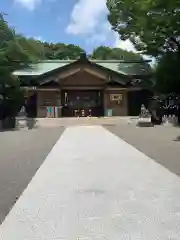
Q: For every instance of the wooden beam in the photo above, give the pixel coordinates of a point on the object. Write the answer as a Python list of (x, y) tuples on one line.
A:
[(131, 89), (48, 89), (82, 87), (116, 89), (68, 73), (36, 89), (33, 88), (125, 89), (95, 73)]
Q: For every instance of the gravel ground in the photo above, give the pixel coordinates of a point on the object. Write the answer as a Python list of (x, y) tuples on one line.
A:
[(162, 143), (21, 155)]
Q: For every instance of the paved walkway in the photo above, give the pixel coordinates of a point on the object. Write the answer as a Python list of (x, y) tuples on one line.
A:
[(94, 185)]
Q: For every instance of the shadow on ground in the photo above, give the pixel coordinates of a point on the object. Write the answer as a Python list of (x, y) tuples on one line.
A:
[(177, 139)]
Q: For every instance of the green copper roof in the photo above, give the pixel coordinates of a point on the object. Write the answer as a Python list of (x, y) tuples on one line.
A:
[(126, 68), (41, 68)]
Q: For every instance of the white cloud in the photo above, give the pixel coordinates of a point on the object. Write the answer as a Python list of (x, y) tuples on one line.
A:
[(126, 45), (101, 34), (129, 46), (28, 4), (86, 16), (89, 20)]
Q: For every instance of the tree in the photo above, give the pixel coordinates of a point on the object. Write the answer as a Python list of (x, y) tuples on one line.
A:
[(168, 74), (153, 26), (61, 51), (11, 97), (107, 53), (34, 48), (12, 57)]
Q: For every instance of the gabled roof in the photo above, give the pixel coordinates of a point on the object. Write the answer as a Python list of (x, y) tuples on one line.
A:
[(120, 67), (41, 68)]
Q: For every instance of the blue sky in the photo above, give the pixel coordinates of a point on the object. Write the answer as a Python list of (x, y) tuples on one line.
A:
[(80, 22)]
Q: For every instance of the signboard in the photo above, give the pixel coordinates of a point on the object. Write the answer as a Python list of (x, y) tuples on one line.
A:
[(116, 97)]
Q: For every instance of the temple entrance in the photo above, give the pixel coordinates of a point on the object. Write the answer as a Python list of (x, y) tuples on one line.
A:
[(82, 103)]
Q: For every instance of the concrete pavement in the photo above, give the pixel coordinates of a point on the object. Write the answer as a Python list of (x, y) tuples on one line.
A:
[(21, 154), (160, 143), (93, 185)]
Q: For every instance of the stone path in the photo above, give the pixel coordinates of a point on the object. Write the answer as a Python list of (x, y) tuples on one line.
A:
[(93, 185)]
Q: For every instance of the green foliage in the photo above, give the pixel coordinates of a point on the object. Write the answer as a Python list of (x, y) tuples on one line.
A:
[(12, 55), (168, 74), (153, 26), (33, 48), (107, 53), (11, 97), (61, 51)]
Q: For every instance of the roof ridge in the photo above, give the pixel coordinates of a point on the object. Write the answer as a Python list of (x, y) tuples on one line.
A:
[(119, 61), (94, 60), (55, 61)]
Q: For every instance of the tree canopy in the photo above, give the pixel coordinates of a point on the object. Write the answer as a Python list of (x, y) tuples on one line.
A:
[(60, 51), (153, 26), (167, 74), (12, 56), (106, 53)]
